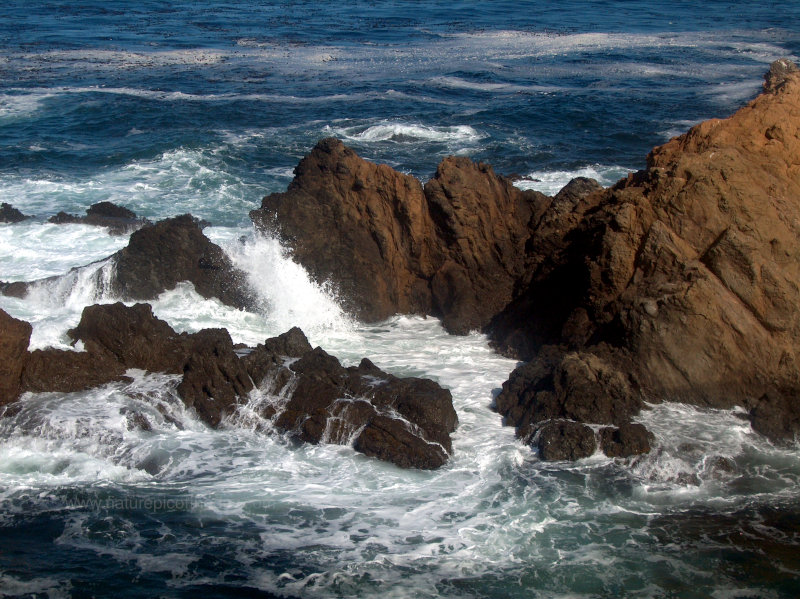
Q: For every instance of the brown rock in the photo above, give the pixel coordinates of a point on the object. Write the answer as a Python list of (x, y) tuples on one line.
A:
[(213, 376), (627, 440), (160, 256), (405, 421), (683, 276), (15, 335), (117, 219), (452, 249), (68, 371)]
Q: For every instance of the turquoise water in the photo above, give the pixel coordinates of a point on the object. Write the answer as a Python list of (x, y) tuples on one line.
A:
[(205, 107)]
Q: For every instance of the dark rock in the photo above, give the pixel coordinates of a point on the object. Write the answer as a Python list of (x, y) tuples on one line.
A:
[(160, 256), (117, 219), (406, 421), (15, 335), (776, 415), (17, 289), (626, 440), (452, 249), (132, 336), (564, 440), (9, 214), (68, 371), (213, 376)]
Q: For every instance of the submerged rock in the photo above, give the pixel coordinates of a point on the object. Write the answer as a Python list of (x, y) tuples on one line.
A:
[(453, 248), (9, 214), (118, 219)]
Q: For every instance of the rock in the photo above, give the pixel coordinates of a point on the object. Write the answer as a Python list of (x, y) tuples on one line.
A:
[(452, 249), (777, 74), (68, 371), (9, 214), (627, 440), (131, 336), (564, 440), (160, 256), (15, 335), (683, 276), (213, 376), (406, 421), (118, 220)]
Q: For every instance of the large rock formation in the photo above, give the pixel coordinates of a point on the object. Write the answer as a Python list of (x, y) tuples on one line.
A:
[(682, 280), (160, 256), (454, 248), (309, 394)]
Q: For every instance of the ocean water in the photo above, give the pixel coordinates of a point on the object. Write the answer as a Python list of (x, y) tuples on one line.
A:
[(205, 107)]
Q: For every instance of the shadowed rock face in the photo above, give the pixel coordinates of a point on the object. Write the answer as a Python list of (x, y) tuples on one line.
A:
[(682, 278), (14, 338), (453, 248), (9, 214)]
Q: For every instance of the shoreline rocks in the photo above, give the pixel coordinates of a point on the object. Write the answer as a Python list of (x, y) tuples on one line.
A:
[(9, 214), (117, 219), (307, 394)]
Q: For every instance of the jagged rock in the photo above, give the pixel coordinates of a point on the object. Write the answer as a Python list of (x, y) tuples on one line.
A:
[(405, 421), (68, 371), (683, 276), (9, 214), (776, 415), (213, 376), (117, 219), (15, 335), (627, 440), (160, 256), (131, 336), (452, 249), (777, 74), (564, 440)]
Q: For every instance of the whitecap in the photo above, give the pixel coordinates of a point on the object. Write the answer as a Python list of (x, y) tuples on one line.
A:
[(551, 182), (408, 133)]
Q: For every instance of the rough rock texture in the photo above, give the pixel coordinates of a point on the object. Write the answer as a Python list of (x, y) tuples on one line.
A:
[(14, 338), (310, 395), (683, 277), (453, 248), (117, 219), (564, 440), (405, 421), (627, 440), (160, 256), (9, 214)]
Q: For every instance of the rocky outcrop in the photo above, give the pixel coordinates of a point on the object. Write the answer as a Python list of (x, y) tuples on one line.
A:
[(405, 421), (309, 394), (681, 279), (160, 256), (9, 214), (453, 248), (118, 219), (14, 338)]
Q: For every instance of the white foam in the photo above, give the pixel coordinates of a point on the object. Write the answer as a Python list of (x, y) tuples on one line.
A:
[(551, 182), (408, 133)]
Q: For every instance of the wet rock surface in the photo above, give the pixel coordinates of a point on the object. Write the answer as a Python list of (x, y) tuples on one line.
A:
[(309, 394), (9, 214), (406, 421)]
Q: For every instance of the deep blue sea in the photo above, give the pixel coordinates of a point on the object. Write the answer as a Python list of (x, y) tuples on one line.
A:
[(205, 107)]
